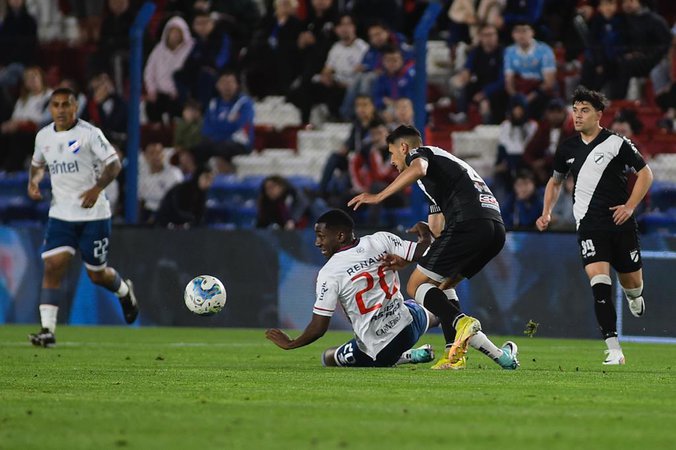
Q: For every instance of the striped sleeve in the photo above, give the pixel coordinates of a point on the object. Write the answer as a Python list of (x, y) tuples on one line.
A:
[(396, 245)]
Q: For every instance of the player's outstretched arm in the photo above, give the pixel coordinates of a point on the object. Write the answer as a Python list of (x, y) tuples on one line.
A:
[(644, 179), (314, 330), (110, 172), (552, 192), (408, 176), (35, 176)]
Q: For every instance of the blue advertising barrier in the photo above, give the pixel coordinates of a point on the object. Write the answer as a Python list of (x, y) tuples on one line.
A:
[(270, 280)]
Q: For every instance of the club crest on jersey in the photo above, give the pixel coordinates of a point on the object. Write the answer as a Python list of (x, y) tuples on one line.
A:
[(598, 157), (74, 146), (634, 255)]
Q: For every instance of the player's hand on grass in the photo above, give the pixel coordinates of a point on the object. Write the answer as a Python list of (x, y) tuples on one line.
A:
[(34, 191), (621, 213), (90, 197), (394, 262), (363, 199), (543, 222), (280, 338)]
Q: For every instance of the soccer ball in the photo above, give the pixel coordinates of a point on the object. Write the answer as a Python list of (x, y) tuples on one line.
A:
[(205, 295)]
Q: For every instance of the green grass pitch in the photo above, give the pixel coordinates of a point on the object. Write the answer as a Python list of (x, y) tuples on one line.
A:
[(179, 388)]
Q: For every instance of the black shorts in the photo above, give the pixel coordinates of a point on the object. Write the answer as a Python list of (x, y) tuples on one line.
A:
[(463, 248), (620, 248)]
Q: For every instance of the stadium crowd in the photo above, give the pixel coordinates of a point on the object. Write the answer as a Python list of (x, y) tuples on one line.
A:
[(512, 64)]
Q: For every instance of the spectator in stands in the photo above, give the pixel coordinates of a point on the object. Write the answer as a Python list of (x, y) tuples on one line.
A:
[(316, 39), (530, 69), (371, 172), (556, 126), (515, 134), (228, 128), (468, 17), (482, 80), (18, 41), (210, 54), (241, 18), (18, 133), (403, 114), (156, 177), (188, 129), (107, 109), (562, 213), (88, 13), (166, 58), (664, 85), (524, 206), (337, 75), (605, 45), (647, 39), (388, 12), (334, 176), (380, 38), (184, 204), (395, 82), (266, 62), (113, 47), (517, 12), (282, 205)]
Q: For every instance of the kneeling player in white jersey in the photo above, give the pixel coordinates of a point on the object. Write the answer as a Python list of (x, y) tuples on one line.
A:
[(81, 163), (385, 326)]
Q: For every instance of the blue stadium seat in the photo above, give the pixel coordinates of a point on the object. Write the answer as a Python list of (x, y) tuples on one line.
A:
[(663, 195)]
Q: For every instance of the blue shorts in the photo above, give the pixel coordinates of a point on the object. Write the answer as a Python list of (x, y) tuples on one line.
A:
[(91, 238), (349, 354)]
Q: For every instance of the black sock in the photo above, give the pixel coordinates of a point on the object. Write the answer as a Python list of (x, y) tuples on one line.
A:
[(446, 310), (603, 306)]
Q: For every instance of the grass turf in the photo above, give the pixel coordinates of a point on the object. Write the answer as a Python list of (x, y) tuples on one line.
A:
[(144, 388)]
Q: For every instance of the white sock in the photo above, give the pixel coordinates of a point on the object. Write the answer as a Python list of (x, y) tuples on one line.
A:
[(124, 289), (481, 342), (48, 314), (613, 343), (634, 293)]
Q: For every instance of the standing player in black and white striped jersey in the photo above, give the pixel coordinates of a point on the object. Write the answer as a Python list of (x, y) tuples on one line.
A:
[(603, 209)]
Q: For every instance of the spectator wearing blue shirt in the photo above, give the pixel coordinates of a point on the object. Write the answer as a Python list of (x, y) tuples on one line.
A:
[(228, 128), (482, 80), (605, 41), (395, 82), (530, 69), (380, 38), (523, 208)]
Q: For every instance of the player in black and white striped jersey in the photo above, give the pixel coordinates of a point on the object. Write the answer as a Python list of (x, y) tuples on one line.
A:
[(604, 211)]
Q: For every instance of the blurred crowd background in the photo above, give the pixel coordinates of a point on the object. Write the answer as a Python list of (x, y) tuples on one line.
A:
[(264, 113)]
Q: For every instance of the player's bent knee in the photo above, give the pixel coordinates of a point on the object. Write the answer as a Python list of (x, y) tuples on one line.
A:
[(421, 291)]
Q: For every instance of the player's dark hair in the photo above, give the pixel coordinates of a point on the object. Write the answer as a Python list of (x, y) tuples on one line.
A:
[(407, 132), (337, 218), (594, 98), (63, 91)]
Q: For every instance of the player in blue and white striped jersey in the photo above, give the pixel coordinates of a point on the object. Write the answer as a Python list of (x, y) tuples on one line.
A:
[(81, 163)]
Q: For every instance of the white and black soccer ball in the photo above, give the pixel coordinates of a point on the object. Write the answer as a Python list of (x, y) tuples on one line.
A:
[(205, 295)]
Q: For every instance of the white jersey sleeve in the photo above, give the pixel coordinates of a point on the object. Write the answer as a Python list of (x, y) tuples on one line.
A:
[(396, 245), (38, 159), (101, 147), (327, 294)]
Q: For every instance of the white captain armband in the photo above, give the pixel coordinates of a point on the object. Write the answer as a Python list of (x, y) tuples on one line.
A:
[(435, 209)]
